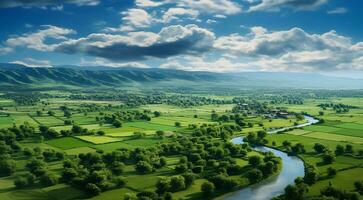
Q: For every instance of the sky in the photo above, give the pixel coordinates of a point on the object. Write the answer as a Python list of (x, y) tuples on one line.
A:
[(324, 36)]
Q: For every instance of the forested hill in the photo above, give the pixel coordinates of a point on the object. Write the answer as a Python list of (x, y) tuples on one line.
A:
[(15, 75)]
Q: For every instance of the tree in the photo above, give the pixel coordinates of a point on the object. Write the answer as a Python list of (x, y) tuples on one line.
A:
[(39, 113), (311, 175), (177, 183), (20, 182), (157, 114), (254, 161), (182, 168), (49, 179), (349, 149), (160, 133), (207, 189), (359, 186), (319, 148), (92, 189), (298, 148), (163, 185), (143, 167), (117, 123), (296, 192), (51, 113), (328, 157), (177, 124), (331, 172), (189, 179), (339, 150), (101, 133), (254, 176), (7, 167), (76, 129)]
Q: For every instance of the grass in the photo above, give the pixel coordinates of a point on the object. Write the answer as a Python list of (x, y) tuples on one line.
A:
[(49, 121), (98, 139), (343, 180), (335, 137), (151, 126), (76, 151), (67, 143)]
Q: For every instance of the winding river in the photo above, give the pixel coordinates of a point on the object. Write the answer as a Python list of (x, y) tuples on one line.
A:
[(292, 167)]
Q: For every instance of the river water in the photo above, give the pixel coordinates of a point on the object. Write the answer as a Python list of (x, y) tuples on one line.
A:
[(292, 167)]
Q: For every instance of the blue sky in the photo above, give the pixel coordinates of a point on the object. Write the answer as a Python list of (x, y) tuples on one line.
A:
[(212, 35)]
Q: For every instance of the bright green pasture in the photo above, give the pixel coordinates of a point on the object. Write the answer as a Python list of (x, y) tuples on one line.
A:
[(98, 139), (351, 126), (298, 132), (321, 128), (131, 144), (67, 143), (343, 180), (76, 151), (151, 126), (49, 121), (128, 134), (335, 137)]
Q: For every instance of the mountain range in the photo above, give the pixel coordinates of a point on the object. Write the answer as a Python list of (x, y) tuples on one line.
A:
[(20, 76)]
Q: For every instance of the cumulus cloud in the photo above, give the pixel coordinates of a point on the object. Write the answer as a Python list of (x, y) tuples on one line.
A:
[(150, 3), (192, 63), (293, 50), (37, 40), (212, 6), (218, 7), (170, 41), (30, 62), (176, 13), (261, 42), (44, 3), (134, 19), (276, 5)]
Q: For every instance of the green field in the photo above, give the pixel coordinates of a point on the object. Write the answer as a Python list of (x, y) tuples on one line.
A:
[(337, 129)]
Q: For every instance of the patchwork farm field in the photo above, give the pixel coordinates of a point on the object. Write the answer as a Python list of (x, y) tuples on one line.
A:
[(77, 129)]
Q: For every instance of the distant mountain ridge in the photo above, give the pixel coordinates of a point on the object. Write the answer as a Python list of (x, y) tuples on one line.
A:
[(16, 75)]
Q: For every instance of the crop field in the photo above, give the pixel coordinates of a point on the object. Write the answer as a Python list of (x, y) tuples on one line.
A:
[(49, 121), (67, 143), (98, 139), (97, 135), (152, 126)]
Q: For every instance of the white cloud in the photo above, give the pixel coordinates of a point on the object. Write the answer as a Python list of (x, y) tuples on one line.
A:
[(150, 3), (5, 50), (37, 40), (220, 16), (107, 63), (340, 10), (30, 62), (193, 63), (225, 7), (261, 42), (176, 13), (211, 21), (135, 19), (170, 41), (276, 5), (292, 50), (217, 7)]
